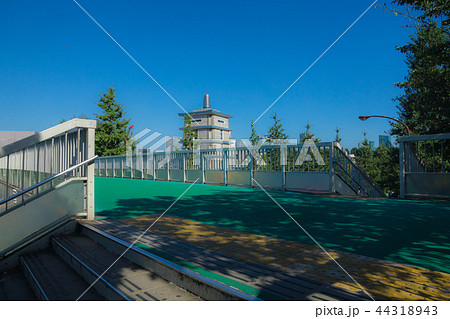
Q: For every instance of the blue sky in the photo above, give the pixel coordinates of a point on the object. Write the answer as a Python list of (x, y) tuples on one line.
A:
[(54, 63)]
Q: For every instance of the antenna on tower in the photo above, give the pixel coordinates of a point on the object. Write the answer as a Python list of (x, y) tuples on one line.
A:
[(206, 102)]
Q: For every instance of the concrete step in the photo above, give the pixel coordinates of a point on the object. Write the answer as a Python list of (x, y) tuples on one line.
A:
[(14, 286), (202, 286), (279, 285), (123, 279), (52, 279)]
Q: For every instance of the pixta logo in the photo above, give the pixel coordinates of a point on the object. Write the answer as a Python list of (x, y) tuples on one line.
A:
[(152, 142), (308, 148)]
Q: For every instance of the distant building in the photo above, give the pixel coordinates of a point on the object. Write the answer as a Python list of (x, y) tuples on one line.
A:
[(212, 126), (371, 145), (8, 137), (384, 140)]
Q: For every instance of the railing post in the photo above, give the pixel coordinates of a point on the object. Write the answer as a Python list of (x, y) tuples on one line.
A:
[(183, 161), (331, 168), (7, 180), (252, 174), (283, 159), (52, 155), (402, 168), (202, 167), (79, 151), (65, 154), (142, 165), (224, 166), (36, 149), (121, 166), (154, 166), (131, 167), (23, 172), (113, 167), (90, 174), (167, 155)]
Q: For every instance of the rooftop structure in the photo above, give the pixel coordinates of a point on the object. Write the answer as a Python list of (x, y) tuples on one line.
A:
[(212, 125)]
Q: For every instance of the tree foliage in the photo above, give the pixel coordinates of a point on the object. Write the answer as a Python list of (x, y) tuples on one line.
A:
[(338, 138), (425, 104), (308, 135), (189, 134), (112, 132), (276, 131), (254, 137), (424, 11), (381, 164)]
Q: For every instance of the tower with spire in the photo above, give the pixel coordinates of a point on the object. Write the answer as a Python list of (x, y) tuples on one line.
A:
[(212, 125)]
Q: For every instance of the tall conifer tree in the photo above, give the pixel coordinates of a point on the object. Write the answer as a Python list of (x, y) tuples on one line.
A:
[(112, 132), (276, 132), (254, 137), (189, 134)]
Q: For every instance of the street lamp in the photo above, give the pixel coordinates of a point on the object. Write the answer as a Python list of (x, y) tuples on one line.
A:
[(365, 117)]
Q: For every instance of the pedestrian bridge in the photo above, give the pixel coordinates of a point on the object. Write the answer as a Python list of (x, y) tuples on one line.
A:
[(171, 227), (321, 168)]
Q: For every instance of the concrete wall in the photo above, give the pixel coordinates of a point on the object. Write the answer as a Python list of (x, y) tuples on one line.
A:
[(26, 220), (428, 184)]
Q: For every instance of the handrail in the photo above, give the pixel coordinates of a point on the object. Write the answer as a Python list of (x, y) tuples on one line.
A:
[(414, 138), (47, 180), (359, 186), (360, 171), (240, 148)]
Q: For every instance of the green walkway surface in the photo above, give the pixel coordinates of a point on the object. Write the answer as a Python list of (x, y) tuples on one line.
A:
[(403, 231)]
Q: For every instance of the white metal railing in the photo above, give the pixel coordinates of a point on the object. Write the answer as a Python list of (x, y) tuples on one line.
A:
[(425, 166), (64, 174), (286, 167), (36, 158), (353, 175)]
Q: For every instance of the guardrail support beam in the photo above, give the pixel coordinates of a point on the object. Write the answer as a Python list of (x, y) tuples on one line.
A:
[(90, 174)]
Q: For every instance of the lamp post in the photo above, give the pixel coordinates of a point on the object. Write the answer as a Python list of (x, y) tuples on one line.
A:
[(365, 117)]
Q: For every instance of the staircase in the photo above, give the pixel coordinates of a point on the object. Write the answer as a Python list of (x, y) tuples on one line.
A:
[(72, 263), (46, 253), (93, 264), (349, 178)]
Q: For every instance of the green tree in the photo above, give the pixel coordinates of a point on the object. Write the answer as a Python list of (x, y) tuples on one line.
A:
[(254, 137), (364, 156), (275, 135), (387, 161), (422, 12), (276, 131), (189, 134), (382, 165), (308, 135), (425, 104), (365, 142), (112, 133), (338, 138)]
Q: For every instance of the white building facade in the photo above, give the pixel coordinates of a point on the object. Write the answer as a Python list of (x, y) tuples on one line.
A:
[(212, 126)]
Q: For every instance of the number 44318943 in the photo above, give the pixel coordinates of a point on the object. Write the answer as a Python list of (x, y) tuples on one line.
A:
[(407, 310)]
